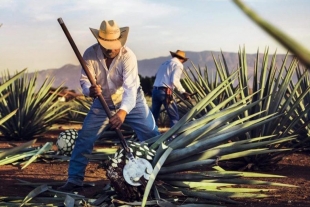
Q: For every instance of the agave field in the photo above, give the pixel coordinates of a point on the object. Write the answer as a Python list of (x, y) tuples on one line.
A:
[(242, 140), (226, 149)]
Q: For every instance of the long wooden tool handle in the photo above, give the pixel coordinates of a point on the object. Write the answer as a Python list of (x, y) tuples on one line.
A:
[(92, 81)]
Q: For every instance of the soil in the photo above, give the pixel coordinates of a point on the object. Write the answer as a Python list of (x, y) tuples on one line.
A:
[(295, 167)]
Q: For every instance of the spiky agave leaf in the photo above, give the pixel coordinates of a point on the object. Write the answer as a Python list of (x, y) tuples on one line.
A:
[(292, 45), (3, 86), (198, 147), (38, 109), (275, 88)]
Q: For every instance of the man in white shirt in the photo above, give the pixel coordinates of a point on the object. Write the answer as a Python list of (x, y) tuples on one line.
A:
[(168, 78), (115, 69)]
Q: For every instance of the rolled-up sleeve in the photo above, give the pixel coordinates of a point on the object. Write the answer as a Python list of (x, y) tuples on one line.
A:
[(131, 81)]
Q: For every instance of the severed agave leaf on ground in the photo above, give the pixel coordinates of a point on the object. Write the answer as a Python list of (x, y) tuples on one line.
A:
[(69, 201), (38, 190), (17, 149), (44, 149), (14, 158)]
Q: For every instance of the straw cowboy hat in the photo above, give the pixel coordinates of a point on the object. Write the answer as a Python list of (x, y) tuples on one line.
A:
[(179, 54), (109, 35)]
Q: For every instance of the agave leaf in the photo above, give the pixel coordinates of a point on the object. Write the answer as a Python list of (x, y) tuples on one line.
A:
[(205, 185), (302, 53), (44, 149), (242, 174), (216, 138), (250, 152), (186, 166), (135, 203), (206, 195), (222, 150), (105, 151), (69, 201), (242, 190), (185, 176), (11, 80), (36, 109), (240, 195), (17, 149), (154, 174), (38, 190), (236, 181), (14, 158), (8, 116), (236, 143)]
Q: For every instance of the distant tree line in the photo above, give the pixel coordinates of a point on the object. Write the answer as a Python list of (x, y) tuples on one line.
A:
[(147, 84)]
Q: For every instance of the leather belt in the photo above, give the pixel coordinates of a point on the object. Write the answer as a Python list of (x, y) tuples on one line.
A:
[(160, 88)]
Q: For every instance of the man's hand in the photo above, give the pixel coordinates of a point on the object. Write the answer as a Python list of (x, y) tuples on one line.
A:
[(95, 91), (118, 119), (186, 95)]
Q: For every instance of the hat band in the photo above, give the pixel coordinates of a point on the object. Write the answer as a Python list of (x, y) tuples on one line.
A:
[(111, 40)]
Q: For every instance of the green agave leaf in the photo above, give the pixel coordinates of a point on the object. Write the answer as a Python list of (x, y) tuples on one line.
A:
[(242, 190), (12, 79), (4, 119), (220, 172), (248, 182), (194, 176), (217, 138), (44, 149), (34, 193), (241, 195), (206, 195), (205, 185), (105, 151), (187, 166), (17, 149), (221, 151), (154, 174), (236, 143), (250, 153), (15, 158), (302, 53)]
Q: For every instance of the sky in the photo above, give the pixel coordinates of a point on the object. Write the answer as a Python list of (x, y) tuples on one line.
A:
[(31, 37)]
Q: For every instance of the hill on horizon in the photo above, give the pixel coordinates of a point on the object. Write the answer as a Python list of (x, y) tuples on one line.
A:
[(69, 73)]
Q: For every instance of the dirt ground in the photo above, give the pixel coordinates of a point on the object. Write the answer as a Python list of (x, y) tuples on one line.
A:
[(296, 167)]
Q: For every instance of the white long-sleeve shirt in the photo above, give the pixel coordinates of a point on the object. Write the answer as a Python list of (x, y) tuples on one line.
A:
[(119, 83), (170, 73)]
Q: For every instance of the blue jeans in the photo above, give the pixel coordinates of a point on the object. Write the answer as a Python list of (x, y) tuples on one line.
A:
[(140, 119), (159, 99)]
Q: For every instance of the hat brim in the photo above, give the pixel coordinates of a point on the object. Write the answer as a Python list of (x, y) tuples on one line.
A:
[(116, 44), (173, 54)]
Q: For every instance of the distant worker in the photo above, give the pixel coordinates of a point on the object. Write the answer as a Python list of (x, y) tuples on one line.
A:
[(167, 78), (115, 68)]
